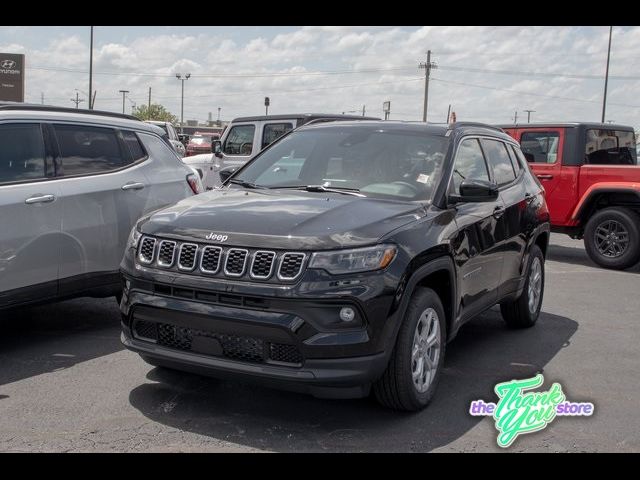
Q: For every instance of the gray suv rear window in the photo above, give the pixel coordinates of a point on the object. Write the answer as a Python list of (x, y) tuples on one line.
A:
[(85, 150), (22, 155)]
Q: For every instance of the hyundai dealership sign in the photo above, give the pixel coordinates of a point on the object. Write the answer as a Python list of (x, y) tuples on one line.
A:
[(12, 77)]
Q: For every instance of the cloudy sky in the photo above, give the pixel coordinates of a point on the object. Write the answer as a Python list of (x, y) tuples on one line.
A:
[(485, 73)]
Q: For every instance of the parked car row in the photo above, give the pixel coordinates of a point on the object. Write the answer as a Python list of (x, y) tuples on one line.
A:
[(334, 255)]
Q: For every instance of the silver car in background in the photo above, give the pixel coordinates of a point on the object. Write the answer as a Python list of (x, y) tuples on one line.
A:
[(72, 185), (172, 135)]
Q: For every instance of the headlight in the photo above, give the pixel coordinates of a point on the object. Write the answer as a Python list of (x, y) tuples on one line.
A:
[(354, 260), (134, 238)]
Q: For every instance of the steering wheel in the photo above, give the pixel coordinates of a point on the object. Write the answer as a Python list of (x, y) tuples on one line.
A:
[(242, 145)]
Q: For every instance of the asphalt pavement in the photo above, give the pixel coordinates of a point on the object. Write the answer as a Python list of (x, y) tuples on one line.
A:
[(67, 384)]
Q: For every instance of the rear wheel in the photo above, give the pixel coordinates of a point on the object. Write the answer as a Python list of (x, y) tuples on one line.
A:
[(414, 369), (612, 238), (523, 312)]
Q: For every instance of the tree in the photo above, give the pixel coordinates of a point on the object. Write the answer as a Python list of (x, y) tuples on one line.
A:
[(156, 112)]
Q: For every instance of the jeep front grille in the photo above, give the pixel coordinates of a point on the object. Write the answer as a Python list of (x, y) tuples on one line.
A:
[(290, 266), (187, 257), (166, 252), (147, 249), (212, 260), (236, 262), (262, 264)]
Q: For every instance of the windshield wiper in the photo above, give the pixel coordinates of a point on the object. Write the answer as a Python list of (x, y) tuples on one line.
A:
[(321, 188), (244, 184)]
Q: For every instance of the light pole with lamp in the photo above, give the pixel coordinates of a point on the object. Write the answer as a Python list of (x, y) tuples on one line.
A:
[(179, 77)]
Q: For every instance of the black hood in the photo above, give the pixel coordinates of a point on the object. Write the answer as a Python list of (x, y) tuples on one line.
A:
[(280, 219)]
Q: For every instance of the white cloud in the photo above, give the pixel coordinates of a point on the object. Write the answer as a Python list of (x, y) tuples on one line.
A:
[(397, 50)]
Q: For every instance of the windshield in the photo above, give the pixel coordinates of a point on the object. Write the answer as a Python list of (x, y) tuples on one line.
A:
[(403, 165)]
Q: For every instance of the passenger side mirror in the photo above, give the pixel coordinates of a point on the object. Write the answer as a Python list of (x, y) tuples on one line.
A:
[(216, 148), (476, 191), (226, 172)]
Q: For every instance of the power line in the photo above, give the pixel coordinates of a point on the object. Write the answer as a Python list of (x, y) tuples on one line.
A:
[(519, 92)]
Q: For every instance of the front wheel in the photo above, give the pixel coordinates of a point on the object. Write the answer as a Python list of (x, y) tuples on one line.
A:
[(414, 369), (612, 238), (523, 312)]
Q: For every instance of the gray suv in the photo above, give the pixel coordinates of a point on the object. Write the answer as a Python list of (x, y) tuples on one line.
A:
[(72, 184)]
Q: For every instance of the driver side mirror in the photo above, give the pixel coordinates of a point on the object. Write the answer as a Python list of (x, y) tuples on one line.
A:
[(476, 191), (216, 148)]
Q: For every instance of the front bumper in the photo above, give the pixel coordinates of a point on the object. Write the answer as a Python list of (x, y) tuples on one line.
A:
[(286, 342)]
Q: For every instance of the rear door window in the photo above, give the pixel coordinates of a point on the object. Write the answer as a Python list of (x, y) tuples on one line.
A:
[(499, 160), (133, 144), (22, 156), (610, 147), (273, 131), (240, 140), (86, 150), (540, 147)]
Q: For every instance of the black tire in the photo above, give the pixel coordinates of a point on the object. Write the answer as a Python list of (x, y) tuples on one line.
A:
[(396, 388), (516, 313), (631, 223)]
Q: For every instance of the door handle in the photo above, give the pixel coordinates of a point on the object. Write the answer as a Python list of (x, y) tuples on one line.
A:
[(133, 186), (498, 212), (544, 176), (40, 199)]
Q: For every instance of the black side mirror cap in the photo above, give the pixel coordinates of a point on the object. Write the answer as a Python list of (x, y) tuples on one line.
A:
[(476, 191)]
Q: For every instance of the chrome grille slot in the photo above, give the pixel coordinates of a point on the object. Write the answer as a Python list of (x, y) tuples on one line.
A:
[(291, 265), (187, 256), (147, 250), (262, 264), (166, 253), (236, 262), (210, 259)]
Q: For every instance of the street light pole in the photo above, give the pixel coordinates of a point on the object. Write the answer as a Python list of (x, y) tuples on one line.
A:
[(606, 76), (179, 77), (124, 94), (529, 112), (91, 70)]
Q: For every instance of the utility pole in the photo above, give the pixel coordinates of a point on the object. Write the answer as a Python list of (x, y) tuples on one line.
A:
[(42, 98), (606, 76), (91, 69), (149, 104), (515, 118), (93, 100), (124, 94), (363, 110), (449, 113), (427, 73), (77, 100), (529, 112), (179, 77), (219, 108)]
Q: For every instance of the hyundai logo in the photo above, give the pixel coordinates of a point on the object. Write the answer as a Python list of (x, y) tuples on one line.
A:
[(7, 64)]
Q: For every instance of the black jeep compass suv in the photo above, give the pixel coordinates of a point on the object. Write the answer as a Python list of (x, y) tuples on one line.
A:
[(344, 256)]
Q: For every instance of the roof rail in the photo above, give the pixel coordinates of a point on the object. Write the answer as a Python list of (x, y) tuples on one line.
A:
[(477, 124), (48, 108)]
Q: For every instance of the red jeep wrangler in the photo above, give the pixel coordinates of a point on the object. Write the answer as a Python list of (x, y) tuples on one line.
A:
[(591, 177)]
